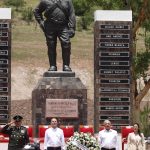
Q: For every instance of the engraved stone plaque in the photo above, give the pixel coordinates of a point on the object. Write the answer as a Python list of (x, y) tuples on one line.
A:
[(62, 108)]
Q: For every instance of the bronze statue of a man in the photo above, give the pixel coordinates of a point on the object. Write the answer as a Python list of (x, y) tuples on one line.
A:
[(57, 19)]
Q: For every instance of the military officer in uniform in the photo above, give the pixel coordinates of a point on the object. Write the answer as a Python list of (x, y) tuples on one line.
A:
[(18, 136), (58, 21)]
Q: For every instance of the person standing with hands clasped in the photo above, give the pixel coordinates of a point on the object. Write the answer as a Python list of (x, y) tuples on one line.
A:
[(18, 136), (108, 138), (54, 137), (135, 139)]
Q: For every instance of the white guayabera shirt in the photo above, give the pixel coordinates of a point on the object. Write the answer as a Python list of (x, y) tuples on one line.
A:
[(108, 139), (54, 137)]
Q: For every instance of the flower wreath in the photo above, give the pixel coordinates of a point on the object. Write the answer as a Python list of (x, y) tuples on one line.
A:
[(82, 141)]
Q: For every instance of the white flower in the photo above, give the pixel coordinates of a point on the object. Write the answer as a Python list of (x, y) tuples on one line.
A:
[(82, 140)]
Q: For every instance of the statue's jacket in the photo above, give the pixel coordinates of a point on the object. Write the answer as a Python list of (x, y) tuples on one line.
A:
[(56, 11)]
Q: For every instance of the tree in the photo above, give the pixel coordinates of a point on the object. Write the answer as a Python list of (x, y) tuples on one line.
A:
[(141, 10), (81, 7), (83, 11)]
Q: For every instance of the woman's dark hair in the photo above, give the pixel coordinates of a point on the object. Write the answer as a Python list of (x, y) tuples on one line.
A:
[(139, 132)]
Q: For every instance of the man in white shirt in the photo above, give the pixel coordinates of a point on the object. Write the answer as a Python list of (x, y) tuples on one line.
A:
[(108, 137), (54, 137)]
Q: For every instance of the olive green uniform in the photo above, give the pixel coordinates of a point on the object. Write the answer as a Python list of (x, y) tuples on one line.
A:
[(18, 137)]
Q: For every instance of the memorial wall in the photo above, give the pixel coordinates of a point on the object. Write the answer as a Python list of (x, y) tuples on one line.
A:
[(112, 67), (5, 64)]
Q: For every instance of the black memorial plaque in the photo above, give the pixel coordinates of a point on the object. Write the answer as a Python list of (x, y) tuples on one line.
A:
[(114, 27), (3, 89), (3, 43), (3, 98), (114, 81), (3, 52), (114, 108), (5, 67), (114, 54), (114, 63), (3, 79), (3, 107), (114, 36), (3, 34), (113, 45), (114, 90), (3, 71), (3, 61), (114, 117), (4, 25), (3, 116), (112, 71), (114, 99)]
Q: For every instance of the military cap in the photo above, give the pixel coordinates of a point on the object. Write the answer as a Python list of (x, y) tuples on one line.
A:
[(17, 118)]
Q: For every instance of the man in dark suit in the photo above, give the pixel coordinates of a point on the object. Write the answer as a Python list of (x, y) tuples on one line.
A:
[(18, 136)]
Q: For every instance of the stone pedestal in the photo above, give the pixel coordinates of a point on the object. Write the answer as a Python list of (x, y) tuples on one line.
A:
[(56, 87)]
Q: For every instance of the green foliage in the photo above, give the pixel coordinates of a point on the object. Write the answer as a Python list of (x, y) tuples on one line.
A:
[(144, 116), (141, 64), (107, 4), (147, 42), (15, 3), (85, 20), (81, 7), (136, 6), (146, 25), (86, 8), (27, 14)]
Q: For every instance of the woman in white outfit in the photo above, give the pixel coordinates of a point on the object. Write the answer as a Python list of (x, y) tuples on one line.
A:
[(135, 139)]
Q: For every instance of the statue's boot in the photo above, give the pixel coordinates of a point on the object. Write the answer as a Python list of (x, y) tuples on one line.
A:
[(66, 68), (52, 60), (52, 68), (66, 57)]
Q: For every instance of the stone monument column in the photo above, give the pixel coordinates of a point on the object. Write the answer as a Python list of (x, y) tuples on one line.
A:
[(62, 95), (5, 65), (113, 96)]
